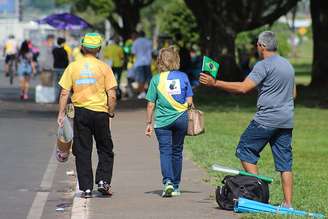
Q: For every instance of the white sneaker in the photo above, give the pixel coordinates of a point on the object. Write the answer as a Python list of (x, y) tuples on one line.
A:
[(142, 95)]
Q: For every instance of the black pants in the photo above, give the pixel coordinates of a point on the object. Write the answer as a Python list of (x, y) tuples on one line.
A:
[(87, 124), (118, 74)]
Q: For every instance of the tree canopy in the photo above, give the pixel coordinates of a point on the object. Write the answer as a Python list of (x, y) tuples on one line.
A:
[(219, 22), (124, 15)]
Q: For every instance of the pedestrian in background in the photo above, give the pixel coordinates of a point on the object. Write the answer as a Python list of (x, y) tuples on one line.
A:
[(10, 52), (130, 59), (46, 61), (60, 63), (25, 68), (114, 56), (94, 98), (170, 95), (76, 53), (142, 49)]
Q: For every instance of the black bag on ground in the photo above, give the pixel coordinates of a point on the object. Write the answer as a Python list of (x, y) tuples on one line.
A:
[(237, 186)]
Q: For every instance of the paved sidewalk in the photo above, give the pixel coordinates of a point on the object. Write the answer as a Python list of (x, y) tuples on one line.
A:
[(137, 181)]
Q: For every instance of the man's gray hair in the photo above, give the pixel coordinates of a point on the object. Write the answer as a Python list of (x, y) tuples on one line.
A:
[(268, 40)]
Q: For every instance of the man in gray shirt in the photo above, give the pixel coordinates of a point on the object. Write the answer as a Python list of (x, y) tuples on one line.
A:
[(273, 122)]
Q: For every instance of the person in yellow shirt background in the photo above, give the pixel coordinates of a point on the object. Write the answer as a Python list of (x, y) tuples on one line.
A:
[(10, 51), (77, 54), (93, 87), (68, 50), (113, 55)]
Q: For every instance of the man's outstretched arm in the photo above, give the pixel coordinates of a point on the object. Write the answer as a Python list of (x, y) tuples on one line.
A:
[(232, 87)]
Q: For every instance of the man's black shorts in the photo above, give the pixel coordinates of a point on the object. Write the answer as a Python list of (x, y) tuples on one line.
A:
[(10, 57)]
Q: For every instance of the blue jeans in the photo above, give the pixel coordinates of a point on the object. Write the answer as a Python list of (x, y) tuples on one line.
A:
[(142, 74), (254, 139), (170, 139)]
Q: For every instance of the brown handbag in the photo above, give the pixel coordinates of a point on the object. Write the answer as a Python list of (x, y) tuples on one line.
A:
[(195, 122)]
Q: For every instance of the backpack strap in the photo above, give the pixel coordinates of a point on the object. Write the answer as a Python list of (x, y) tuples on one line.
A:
[(162, 89)]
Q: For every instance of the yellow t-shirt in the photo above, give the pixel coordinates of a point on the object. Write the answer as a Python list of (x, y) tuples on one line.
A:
[(68, 50), (115, 53), (77, 53), (11, 47), (89, 78)]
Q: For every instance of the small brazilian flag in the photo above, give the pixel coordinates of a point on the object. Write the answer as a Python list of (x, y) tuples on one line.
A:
[(210, 66)]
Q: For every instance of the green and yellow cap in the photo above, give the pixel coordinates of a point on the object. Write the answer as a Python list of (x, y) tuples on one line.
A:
[(91, 40)]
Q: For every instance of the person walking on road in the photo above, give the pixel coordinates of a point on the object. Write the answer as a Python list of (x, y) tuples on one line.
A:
[(170, 94), (94, 98), (46, 61), (142, 49), (25, 68), (114, 55), (60, 63), (273, 122)]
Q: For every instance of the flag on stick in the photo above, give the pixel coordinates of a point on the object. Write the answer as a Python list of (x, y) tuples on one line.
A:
[(210, 66)]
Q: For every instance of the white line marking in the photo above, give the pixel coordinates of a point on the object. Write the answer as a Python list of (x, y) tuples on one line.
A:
[(38, 205), (80, 205), (46, 183), (49, 175)]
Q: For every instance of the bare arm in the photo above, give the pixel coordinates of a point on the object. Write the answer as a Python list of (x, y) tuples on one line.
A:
[(190, 101), (111, 100), (150, 111), (33, 64), (232, 87), (64, 94)]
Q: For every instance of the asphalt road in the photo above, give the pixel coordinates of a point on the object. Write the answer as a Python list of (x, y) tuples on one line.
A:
[(32, 183)]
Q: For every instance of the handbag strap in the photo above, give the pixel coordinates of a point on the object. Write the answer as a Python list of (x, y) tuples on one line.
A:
[(162, 89)]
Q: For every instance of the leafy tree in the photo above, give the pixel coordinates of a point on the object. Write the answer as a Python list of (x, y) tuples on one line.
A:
[(319, 13), (175, 18), (246, 39), (219, 22), (124, 15)]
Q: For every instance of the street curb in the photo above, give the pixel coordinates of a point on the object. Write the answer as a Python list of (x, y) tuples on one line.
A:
[(80, 205)]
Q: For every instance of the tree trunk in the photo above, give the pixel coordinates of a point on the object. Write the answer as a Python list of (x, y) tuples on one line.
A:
[(219, 44), (130, 14), (319, 13)]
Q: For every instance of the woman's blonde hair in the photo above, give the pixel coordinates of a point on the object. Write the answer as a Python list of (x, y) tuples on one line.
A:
[(168, 59)]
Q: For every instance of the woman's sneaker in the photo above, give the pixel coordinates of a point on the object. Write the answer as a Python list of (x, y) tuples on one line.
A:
[(104, 188), (167, 190), (176, 192), (86, 194)]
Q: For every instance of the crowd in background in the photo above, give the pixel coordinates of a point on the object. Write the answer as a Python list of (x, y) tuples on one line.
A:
[(132, 61)]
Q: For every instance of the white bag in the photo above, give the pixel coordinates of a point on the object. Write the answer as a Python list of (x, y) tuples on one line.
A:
[(64, 140), (44, 94)]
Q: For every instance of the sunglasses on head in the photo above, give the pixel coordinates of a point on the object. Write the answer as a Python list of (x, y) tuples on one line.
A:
[(261, 45)]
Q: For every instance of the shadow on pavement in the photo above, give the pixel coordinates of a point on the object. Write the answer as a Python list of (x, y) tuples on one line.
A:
[(159, 192)]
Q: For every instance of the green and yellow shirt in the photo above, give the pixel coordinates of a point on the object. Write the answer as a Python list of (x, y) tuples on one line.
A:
[(169, 92)]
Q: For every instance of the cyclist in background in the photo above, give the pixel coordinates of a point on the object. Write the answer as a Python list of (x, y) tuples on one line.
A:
[(10, 52)]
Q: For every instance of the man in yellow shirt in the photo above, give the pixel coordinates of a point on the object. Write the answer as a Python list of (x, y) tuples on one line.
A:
[(69, 51), (93, 86), (114, 56)]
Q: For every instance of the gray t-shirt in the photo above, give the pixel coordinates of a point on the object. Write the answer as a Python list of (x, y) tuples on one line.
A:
[(46, 59), (275, 78)]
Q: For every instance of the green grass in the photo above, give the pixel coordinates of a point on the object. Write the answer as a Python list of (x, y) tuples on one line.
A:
[(227, 116)]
